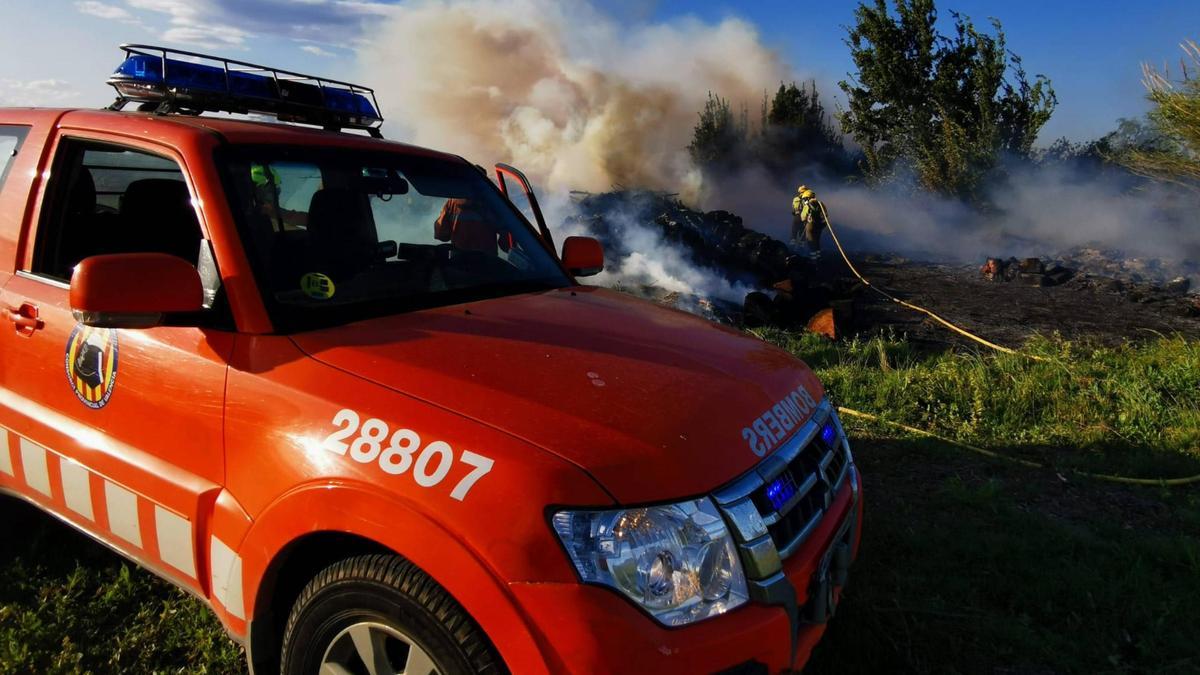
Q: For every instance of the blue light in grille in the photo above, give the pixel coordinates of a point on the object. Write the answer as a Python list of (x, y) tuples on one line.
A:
[(829, 434), (781, 490)]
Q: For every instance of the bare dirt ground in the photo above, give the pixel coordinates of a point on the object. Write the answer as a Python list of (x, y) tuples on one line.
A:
[(1100, 309)]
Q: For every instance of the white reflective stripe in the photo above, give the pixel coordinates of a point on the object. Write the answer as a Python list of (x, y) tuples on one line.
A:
[(77, 488), (122, 513), (233, 589), (5, 458), (227, 578), (174, 541), (33, 463)]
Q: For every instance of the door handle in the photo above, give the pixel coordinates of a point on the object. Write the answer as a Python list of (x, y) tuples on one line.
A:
[(25, 319)]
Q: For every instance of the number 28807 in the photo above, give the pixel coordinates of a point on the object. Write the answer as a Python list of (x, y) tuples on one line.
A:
[(398, 451)]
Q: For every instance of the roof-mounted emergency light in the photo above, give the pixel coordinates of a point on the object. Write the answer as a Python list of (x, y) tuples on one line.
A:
[(174, 81)]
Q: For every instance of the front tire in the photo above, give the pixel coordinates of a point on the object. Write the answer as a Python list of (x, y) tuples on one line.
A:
[(382, 615)]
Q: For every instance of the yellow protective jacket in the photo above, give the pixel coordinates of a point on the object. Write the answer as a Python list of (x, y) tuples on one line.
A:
[(801, 207)]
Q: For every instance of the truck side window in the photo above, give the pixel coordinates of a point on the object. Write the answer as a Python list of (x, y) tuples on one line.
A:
[(11, 138), (109, 199)]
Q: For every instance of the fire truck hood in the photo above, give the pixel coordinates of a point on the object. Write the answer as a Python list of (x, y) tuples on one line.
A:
[(653, 402)]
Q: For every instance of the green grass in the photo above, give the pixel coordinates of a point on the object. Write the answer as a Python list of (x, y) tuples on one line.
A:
[(68, 605), (1128, 409), (971, 567), (968, 564), (974, 565)]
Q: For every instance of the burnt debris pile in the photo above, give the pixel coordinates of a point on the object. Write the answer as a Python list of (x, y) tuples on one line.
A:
[(782, 288), (716, 240), (731, 273), (1134, 279), (1170, 276), (1031, 271)]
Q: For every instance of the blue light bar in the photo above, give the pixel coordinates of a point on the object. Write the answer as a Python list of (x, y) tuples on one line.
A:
[(147, 75)]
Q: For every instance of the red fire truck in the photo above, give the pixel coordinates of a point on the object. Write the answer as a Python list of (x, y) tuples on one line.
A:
[(341, 390)]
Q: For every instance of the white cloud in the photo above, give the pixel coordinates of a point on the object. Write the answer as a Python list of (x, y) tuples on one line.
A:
[(234, 23), (368, 8), (175, 8), (194, 22), (205, 35), (48, 92), (313, 49), (103, 10)]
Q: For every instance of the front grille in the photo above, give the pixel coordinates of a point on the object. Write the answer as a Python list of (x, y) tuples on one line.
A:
[(817, 472), (787, 493)]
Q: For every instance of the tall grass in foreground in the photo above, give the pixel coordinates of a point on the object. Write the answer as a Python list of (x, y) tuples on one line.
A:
[(1134, 408)]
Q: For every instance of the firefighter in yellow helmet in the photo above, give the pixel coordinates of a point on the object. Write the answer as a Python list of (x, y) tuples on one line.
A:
[(267, 186), (808, 221)]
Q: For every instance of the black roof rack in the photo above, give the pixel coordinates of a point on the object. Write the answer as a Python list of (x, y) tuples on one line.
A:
[(166, 80)]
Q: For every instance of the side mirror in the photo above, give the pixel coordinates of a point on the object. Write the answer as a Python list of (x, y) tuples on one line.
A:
[(583, 256), (133, 290)]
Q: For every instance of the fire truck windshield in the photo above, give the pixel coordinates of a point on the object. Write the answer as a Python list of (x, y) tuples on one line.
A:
[(338, 236)]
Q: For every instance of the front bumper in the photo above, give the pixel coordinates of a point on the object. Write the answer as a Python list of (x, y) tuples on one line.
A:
[(585, 628)]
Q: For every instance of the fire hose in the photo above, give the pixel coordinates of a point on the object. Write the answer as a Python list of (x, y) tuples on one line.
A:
[(1126, 480), (911, 306), (1163, 482)]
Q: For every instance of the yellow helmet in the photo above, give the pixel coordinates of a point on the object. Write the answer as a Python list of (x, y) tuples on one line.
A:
[(807, 194), (800, 189)]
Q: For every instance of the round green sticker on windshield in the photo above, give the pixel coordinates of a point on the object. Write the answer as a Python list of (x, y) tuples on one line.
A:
[(317, 286)]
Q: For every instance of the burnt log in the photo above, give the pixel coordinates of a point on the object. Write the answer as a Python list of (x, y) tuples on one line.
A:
[(757, 310)]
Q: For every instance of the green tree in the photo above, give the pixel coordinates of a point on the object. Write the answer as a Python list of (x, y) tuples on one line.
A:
[(719, 136), (947, 107), (1175, 117), (796, 129), (792, 130)]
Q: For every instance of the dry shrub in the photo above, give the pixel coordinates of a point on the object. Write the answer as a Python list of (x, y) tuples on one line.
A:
[(1176, 117)]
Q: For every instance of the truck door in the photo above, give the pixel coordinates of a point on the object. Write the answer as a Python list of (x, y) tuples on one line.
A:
[(529, 206), (120, 431)]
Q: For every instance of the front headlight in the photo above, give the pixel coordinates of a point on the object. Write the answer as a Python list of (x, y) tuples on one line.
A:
[(677, 562)]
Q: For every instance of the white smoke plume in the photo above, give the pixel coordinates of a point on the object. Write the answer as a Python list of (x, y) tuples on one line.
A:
[(573, 97), (1039, 211), (580, 100), (560, 89), (652, 261)]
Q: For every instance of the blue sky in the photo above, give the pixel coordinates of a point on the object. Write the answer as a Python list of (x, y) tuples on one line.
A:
[(1092, 50), (58, 52)]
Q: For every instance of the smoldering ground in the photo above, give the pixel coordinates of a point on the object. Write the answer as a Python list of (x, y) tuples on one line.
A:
[(1034, 210), (582, 101)]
